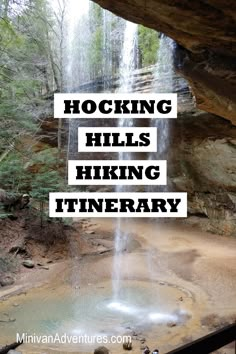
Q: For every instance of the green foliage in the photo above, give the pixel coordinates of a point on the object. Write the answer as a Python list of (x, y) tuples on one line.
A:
[(148, 45), (13, 175), (47, 178), (39, 175), (96, 51), (100, 46), (25, 69), (8, 33), (45, 181), (28, 72), (105, 42), (13, 178)]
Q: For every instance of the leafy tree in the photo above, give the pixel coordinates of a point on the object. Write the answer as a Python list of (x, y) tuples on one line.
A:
[(47, 179), (13, 175), (25, 71), (44, 183), (148, 45), (13, 178)]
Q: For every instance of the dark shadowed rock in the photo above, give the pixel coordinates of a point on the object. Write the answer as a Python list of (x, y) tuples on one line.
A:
[(101, 350), (6, 280), (127, 346)]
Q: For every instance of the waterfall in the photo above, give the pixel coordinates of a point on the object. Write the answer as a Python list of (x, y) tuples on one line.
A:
[(76, 70), (107, 49), (78, 37), (77, 65), (163, 83), (164, 70), (79, 70), (128, 58), (127, 67)]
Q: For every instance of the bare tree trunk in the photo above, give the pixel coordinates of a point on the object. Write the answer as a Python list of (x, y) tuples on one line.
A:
[(7, 151), (59, 137), (61, 22), (41, 214), (6, 8)]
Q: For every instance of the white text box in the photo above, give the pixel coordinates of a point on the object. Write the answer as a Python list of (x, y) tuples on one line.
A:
[(109, 205), (116, 172), (146, 138), (115, 105)]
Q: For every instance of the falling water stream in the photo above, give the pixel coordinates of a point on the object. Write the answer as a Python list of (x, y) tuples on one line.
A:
[(107, 49), (163, 83), (77, 67), (126, 84)]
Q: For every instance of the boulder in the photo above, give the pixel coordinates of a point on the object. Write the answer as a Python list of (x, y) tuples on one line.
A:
[(146, 350), (89, 232), (127, 346), (28, 263), (101, 350), (6, 280), (15, 201)]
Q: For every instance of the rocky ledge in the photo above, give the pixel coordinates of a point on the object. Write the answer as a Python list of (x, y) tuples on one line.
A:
[(202, 163), (206, 35)]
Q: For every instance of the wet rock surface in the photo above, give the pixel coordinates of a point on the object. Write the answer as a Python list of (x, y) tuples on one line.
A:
[(202, 163)]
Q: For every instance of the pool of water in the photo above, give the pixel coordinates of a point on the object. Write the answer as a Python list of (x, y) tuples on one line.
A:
[(93, 310)]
